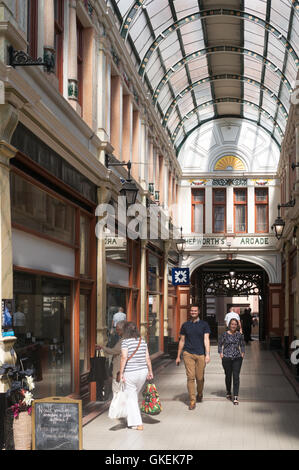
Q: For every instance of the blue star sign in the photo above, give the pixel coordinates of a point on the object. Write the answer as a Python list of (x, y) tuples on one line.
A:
[(180, 276)]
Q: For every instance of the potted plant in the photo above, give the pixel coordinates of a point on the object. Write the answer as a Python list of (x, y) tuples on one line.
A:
[(19, 398)]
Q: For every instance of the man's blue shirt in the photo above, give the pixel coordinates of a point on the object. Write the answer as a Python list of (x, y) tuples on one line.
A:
[(194, 336)]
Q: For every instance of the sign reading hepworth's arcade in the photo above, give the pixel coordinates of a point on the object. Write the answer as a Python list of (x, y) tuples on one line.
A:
[(255, 242)]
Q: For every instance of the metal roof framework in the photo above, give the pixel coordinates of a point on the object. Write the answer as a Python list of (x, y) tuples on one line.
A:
[(201, 62)]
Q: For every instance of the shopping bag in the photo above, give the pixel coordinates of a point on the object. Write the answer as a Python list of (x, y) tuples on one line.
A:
[(119, 403), (98, 369), (151, 402)]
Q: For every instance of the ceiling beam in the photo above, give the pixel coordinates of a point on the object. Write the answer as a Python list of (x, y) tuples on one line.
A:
[(242, 79), (217, 50), (217, 12)]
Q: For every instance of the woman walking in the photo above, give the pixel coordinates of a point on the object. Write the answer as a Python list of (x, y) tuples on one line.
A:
[(231, 348), (115, 352), (135, 368)]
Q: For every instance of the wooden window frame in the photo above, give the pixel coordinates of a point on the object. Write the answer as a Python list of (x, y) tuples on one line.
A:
[(257, 203), (193, 203), (241, 203), (216, 203)]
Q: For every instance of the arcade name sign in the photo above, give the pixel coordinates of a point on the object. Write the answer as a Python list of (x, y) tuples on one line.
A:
[(255, 242)]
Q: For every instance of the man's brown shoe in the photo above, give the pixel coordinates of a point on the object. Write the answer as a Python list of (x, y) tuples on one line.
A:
[(192, 405), (198, 398)]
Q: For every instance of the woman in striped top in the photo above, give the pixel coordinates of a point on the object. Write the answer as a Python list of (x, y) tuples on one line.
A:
[(135, 368)]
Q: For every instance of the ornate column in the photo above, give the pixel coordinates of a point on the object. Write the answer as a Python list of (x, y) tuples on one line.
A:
[(104, 195), (116, 115), (143, 155), (72, 55), (127, 129), (103, 85)]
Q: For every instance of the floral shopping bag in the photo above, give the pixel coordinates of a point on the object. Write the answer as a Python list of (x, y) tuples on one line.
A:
[(151, 402)]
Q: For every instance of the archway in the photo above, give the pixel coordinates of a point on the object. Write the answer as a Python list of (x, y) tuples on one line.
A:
[(219, 284)]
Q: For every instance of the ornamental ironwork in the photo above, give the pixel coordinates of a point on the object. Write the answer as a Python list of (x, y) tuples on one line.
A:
[(222, 284), (229, 182), (21, 58)]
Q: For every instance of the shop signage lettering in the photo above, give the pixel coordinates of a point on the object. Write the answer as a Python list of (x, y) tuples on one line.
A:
[(254, 241), (234, 242)]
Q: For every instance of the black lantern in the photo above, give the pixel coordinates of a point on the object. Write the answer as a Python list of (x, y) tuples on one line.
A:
[(130, 191), (278, 227), (181, 243), (129, 188), (279, 223)]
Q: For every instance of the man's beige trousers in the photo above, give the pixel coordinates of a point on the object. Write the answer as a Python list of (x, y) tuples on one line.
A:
[(195, 366)]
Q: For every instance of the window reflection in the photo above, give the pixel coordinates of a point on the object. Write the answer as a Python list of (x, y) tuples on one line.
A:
[(42, 326)]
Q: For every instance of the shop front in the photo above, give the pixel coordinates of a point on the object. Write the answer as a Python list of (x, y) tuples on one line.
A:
[(54, 275)]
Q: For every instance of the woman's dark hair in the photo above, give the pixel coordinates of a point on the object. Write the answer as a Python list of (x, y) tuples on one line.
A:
[(130, 330), (233, 319)]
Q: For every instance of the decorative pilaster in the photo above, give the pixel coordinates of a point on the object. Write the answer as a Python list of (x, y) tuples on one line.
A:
[(103, 86), (72, 55), (104, 195)]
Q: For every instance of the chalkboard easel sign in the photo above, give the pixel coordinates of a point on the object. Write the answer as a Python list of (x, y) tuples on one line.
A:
[(57, 424)]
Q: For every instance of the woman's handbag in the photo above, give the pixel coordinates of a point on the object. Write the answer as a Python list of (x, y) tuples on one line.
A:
[(118, 406), (98, 370), (151, 404)]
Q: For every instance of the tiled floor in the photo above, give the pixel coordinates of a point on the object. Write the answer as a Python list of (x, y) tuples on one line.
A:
[(266, 418)]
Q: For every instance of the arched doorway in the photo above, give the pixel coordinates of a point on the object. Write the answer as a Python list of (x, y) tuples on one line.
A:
[(220, 284)]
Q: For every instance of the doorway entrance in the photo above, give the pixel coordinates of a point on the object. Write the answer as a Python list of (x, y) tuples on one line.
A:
[(219, 285)]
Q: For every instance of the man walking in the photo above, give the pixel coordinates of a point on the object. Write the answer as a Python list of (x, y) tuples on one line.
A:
[(195, 344)]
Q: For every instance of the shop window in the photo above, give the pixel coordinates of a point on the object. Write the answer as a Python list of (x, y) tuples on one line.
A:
[(42, 312), (58, 40), (261, 210), (39, 211), (154, 301), (240, 210), (83, 336), (116, 298), (219, 210), (198, 210), (154, 323), (32, 28)]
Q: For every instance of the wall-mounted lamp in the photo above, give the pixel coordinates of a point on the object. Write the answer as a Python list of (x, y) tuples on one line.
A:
[(295, 165), (21, 58), (157, 196), (129, 188), (279, 223), (181, 243)]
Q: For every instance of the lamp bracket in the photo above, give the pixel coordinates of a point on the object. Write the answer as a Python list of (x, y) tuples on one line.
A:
[(127, 164), (21, 58)]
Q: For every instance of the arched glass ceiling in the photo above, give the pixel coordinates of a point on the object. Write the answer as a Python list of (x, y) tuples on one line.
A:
[(200, 61)]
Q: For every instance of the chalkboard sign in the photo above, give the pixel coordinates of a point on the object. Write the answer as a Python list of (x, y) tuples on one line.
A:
[(57, 424)]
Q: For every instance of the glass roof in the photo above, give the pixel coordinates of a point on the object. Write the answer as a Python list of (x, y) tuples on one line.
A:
[(201, 63)]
